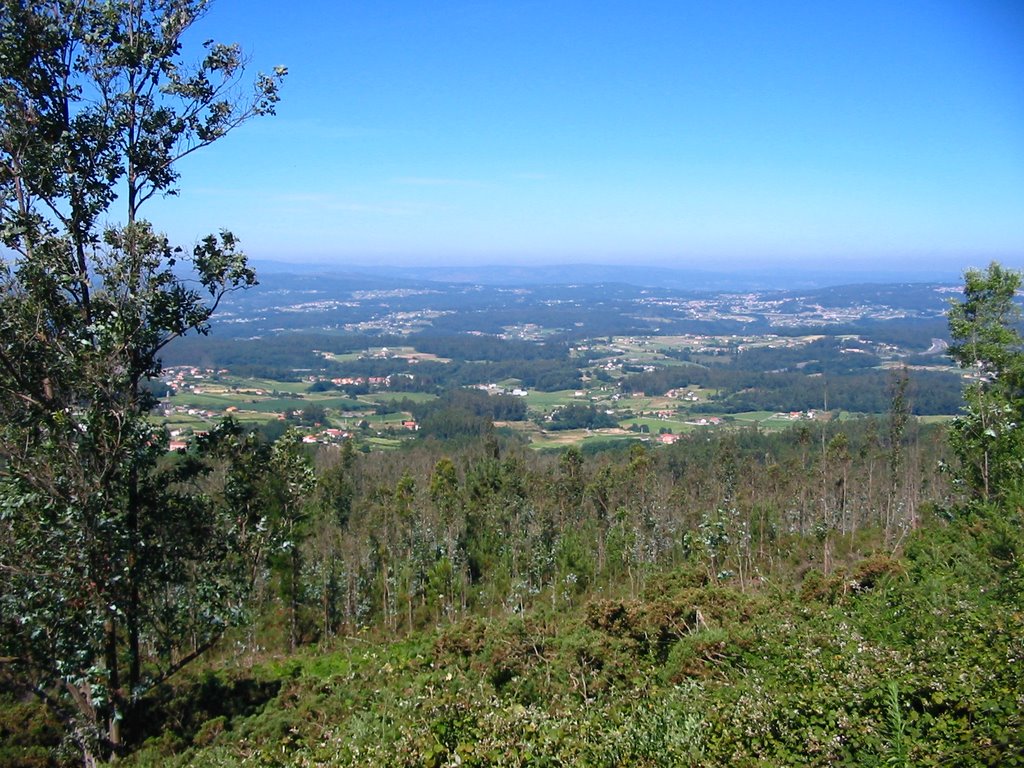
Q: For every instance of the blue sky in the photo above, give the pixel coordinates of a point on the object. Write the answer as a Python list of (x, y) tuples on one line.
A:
[(718, 134)]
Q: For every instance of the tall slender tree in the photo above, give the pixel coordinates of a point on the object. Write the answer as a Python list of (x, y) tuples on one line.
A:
[(988, 437), (97, 105)]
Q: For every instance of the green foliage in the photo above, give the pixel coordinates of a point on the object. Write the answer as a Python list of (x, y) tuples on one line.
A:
[(30, 737), (895, 732), (987, 437), (801, 598), (895, 673), (580, 416), (119, 573)]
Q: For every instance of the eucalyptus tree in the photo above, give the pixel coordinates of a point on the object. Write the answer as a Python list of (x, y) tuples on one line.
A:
[(97, 105), (450, 575), (899, 415), (988, 436), (293, 485)]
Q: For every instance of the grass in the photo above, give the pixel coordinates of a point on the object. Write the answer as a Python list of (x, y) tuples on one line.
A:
[(347, 357), (391, 397), (541, 440), (545, 402), (779, 674), (193, 400), (269, 385), (383, 443), (405, 353), (227, 391), (277, 405), (247, 402), (391, 419), (655, 425), (184, 421)]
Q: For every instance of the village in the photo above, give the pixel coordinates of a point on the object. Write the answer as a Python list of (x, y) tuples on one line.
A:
[(329, 409)]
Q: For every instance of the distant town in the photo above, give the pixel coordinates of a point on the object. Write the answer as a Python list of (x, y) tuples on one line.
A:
[(590, 364)]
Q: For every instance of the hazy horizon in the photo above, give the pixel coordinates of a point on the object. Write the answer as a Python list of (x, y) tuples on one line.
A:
[(672, 276)]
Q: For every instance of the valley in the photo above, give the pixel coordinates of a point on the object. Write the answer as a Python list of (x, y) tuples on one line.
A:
[(357, 357)]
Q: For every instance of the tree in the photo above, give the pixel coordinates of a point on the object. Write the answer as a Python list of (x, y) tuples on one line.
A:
[(449, 577), (293, 484), (988, 437), (324, 557), (899, 415), (96, 107)]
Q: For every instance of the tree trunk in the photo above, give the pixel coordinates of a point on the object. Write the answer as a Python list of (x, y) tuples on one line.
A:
[(113, 713), (132, 614), (293, 600)]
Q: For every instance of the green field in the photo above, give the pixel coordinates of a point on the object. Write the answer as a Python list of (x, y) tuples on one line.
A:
[(383, 443), (241, 394), (764, 418), (392, 397), (184, 421), (655, 425), (347, 357), (247, 406), (390, 419), (270, 385), (545, 402), (278, 405), (204, 400)]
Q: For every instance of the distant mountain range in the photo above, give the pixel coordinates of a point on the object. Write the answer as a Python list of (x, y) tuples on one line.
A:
[(788, 278)]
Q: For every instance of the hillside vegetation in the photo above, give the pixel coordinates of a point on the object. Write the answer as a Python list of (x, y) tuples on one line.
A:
[(896, 661), (751, 599), (843, 592), (840, 593), (909, 660)]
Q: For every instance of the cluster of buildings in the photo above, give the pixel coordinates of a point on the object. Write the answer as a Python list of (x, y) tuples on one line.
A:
[(181, 377), (326, 436), (796, 415), (689, 395), (358, 381), (710, 421), (497, 389)]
